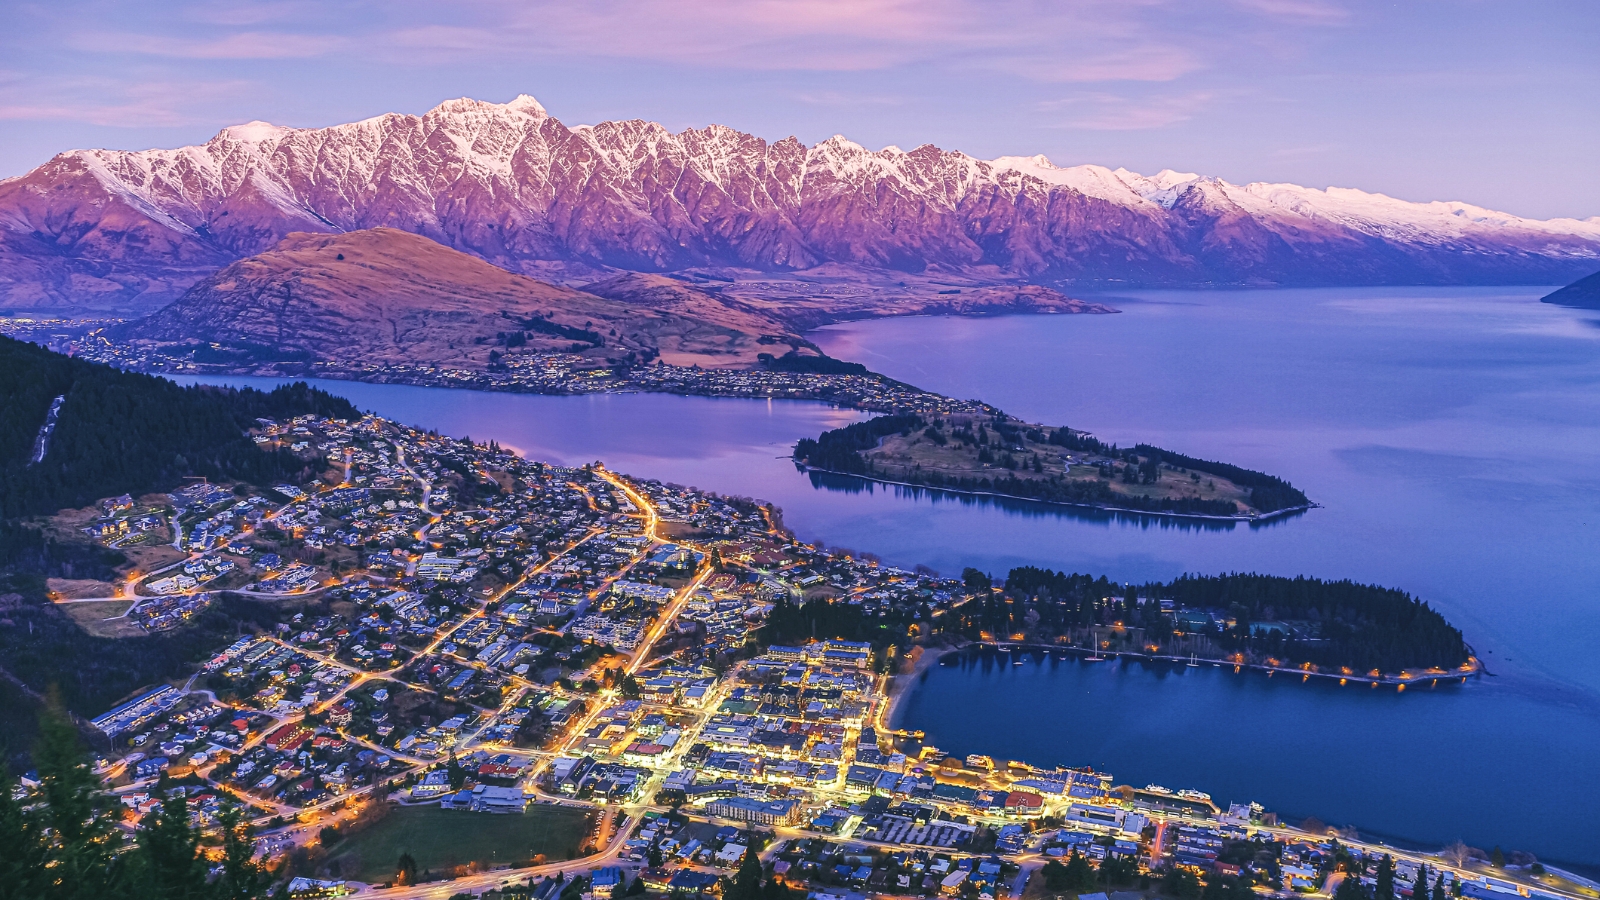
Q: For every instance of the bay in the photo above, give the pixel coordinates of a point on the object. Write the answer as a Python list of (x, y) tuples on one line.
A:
[(1452, 436)]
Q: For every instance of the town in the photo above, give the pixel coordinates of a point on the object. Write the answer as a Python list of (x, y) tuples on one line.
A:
[(547, 373), (586, 682)]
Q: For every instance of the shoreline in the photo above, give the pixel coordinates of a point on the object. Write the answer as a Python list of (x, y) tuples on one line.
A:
[(1263, 517), (903, 684), (1476, 670)]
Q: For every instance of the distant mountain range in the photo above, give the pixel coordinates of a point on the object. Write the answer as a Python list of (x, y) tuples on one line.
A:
[(103, 229)]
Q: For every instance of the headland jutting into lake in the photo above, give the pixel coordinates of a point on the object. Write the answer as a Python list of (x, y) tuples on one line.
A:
[(924, 439)]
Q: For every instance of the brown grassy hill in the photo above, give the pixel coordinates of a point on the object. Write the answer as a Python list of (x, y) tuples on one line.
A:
[(381, 296), (709, 318)]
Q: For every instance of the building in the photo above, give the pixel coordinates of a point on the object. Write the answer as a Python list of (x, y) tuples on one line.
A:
[(488, 798), (759, 812), (138, 711)]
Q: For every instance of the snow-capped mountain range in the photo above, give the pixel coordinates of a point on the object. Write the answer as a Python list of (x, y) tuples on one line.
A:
[(513, 185)]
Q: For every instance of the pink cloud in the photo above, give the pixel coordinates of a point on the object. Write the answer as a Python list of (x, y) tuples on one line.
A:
[(1076, 40), (239, 45), (102, 101), (1104, 111)]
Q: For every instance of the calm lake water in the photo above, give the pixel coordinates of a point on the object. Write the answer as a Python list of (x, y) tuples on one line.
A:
[(1452, 435)]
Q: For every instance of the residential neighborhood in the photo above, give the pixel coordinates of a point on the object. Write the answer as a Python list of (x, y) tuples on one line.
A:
[(453, 627)]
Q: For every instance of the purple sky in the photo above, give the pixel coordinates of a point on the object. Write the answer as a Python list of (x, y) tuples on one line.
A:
[(1493, 103)]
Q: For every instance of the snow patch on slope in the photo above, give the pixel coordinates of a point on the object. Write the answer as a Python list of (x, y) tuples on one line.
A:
[(256, 132)]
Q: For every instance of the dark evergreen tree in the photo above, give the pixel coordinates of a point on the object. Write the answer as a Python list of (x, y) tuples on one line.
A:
[(747, 881), (1080, 875), (1055, 875), (1384, 888), (405, 871), (242, 878), (1350, 888), (82, 836), (167, 863), (1181, 883), (22, 846)]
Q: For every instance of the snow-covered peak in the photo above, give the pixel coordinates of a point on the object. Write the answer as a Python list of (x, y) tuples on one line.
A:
[(1162, 189), (841, 156), (1089, 180), (522, 103), (1380, 214), (256, 132), (526, 104)]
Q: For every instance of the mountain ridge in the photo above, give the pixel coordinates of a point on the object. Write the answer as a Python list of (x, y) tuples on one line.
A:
[(513, 185)]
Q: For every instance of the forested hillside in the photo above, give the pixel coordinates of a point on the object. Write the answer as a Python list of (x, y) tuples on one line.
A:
[(115, 433), (1330, 624), (120, 432)]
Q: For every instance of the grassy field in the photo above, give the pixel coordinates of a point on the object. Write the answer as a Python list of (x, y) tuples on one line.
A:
[(97, 618), (441, 839)]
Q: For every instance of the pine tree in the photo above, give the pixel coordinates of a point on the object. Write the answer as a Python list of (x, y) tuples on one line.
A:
[(747, 883), (1179, 882), (167, 862), (1419, 887), (82, 834), (405, 871), (1350, 888), (1079, 877), (22, 862), (1438, 888), (1384, 889), (775, 890), (242, 877)]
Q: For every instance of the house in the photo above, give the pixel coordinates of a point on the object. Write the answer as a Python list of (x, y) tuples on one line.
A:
[(655, 878), (488, 798), (730, 855), (150, 768), (690, 881), (312, 887), (432, 785)]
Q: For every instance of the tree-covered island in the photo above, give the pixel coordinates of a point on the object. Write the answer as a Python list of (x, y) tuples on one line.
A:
[(1000, 455)]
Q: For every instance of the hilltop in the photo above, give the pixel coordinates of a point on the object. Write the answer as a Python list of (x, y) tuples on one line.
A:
[(385, 297)]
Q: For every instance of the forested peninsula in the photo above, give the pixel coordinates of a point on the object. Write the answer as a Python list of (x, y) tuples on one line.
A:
[(1337, 628), (997, 454)]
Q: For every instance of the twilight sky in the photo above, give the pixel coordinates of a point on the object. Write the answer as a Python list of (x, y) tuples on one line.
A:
[(1489, 102)]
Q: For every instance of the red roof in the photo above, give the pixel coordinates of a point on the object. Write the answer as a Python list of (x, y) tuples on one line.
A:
[(288, 738), (1024, 800)]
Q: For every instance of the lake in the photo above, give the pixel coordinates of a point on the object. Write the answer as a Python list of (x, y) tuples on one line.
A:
[(1452, 436)]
